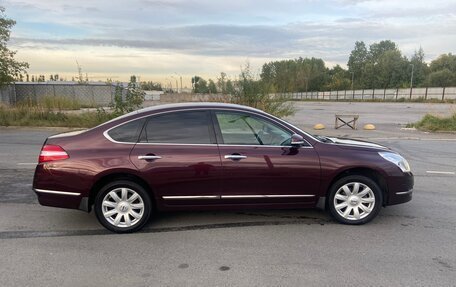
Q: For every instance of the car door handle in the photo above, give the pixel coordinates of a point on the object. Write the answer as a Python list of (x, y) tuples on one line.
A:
[(235, 156), (149, 157)]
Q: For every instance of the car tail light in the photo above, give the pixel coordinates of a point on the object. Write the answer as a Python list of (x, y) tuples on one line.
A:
[(51, 153)]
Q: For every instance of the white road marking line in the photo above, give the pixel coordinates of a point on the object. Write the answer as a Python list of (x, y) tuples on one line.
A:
[(27, 163), (438, 140), (409, 139), (440, 172)]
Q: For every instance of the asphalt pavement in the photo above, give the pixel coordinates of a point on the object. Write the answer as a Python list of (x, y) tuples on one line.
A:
[(408, 244)]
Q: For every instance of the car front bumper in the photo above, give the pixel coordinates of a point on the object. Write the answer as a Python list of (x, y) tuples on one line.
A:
[(400, 188)]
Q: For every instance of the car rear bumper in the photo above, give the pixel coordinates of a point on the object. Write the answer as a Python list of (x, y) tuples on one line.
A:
[(63, 199), (400, 189)]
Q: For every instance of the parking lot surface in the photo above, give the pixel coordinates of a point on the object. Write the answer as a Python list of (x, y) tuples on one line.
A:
[(409, 244)]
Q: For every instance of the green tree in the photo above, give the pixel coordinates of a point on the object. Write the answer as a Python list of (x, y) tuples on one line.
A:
[(127, 100), (357, 63), (151, 86), (420, 68), (296, 75), (444, 61), (212, 88), (199, 85), (221, 83), (230, 89), (256, 93), (339, 79), (376, 50), (442, 71), (383, 66), (10, 69), (389, 70), (441, 78)]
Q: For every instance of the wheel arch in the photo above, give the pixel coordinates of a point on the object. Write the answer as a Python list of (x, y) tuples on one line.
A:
[(371, 173), (118, 175)]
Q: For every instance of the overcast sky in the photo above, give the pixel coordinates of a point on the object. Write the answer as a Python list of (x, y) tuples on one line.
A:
[(159, 39)]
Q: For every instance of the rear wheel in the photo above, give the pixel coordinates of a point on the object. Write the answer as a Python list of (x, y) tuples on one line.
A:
[(355, 199), (123, 206)]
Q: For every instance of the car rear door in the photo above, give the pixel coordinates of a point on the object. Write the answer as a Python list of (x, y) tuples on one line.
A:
[(178, 156), (259, 164)]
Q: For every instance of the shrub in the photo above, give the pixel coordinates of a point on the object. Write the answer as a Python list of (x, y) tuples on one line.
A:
[(436, 123), (257, 94)]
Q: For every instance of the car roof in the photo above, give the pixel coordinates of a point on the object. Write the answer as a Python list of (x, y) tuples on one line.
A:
[(195, 105), (179, 106)]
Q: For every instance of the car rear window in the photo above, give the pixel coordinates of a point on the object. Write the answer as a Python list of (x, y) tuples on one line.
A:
[(128, 132), (192, 127)]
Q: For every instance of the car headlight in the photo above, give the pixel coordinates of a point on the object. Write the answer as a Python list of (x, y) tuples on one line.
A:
[(397, 160)]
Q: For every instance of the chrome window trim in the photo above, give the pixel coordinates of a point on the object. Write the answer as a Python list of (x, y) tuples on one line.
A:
[(276, 146), (270, 117), (57, 192), (224, 145)]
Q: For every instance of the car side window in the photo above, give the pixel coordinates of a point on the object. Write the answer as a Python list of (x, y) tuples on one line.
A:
[(186, 127), (246, 129), (128, 133)]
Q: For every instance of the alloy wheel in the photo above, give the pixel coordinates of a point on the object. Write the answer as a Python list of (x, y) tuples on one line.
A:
[(354, 201), (122, 207)]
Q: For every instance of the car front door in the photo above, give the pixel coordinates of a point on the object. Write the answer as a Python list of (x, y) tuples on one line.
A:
[(259, 164), (178, 156)]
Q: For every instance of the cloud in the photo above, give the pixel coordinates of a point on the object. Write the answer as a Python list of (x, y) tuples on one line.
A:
[(228, 31)]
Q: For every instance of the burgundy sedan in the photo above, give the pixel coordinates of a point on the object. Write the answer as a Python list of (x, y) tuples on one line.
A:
[(214, 156)]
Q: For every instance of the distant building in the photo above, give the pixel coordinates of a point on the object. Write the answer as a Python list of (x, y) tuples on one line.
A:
[(153, 95)]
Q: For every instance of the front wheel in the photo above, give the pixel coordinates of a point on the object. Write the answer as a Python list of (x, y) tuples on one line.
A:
[(355, 200), (123, 206)]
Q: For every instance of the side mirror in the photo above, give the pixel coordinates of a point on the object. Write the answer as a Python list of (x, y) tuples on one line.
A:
[(297, 140)]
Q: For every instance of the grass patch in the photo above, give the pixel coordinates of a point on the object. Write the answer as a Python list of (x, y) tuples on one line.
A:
[(52, 103), (45, 117), (436, 123), (378, 100)]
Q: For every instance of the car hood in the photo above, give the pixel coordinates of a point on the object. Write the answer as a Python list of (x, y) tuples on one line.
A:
[(356, 143)]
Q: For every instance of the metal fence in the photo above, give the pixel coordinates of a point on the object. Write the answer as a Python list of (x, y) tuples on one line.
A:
[(101, 94), (437, 93), (7, 95), (93, 94)]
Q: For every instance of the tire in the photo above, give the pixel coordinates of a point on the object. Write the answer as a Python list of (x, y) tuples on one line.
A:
[(348, 207), (123, 206)]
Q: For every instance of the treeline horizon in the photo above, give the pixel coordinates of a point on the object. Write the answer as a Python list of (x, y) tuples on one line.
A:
[(379, 66)]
